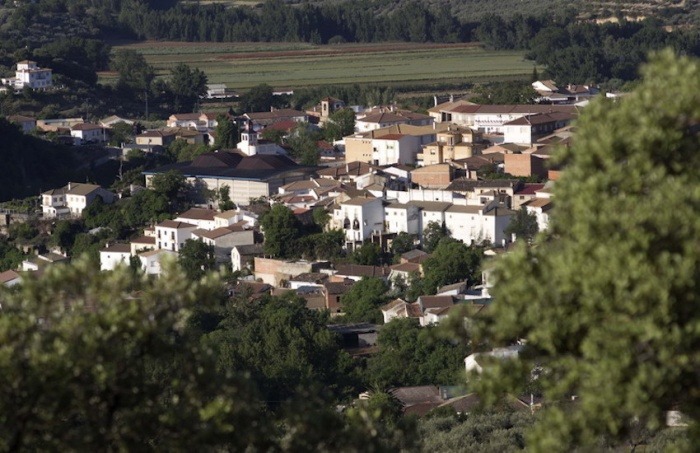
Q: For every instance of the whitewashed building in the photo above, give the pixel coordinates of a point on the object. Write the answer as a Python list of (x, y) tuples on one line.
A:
[(114, 255), (172, 234), (29, 75)]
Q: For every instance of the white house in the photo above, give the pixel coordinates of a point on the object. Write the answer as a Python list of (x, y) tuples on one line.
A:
[(400, 218), (430, 211), (491, 118), (10, 278), (527, 129), (435, 315), (239, 217), (143, 244), (72, 199), (30, 75), (478, 223), (88, 133), (399, 308), (359, 218), (403, 271), (152, 261), (224, 239), (251, 145), (172, 234), (474, 362), (378, 121), (540, 207), (394, 149), (465, 223), (114, 255), (217, 91), (198, 121), (202, 218), (27, 123), (243, 256)]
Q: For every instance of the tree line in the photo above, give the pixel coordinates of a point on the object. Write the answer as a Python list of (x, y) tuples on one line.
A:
[(580, 52)]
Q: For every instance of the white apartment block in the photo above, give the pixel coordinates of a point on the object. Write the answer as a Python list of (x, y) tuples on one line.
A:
[(476, 224), (72, 199), (402, 218), (359, 218), (29, 75), (172, 234)]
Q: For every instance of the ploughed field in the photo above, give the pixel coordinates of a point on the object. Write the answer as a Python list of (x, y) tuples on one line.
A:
[(293, 65)]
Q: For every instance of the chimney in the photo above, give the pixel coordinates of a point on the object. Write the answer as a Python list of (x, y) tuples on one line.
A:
[(435, 101), (452, 98), (68, 185)]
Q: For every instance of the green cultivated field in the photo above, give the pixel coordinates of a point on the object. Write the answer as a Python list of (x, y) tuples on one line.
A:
[(291, 65)]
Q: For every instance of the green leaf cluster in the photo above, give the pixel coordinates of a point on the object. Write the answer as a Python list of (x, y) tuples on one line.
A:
[(608, 300), (451, 262)]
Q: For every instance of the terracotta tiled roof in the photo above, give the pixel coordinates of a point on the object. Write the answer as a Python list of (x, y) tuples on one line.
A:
[(186, 116), (175, 224), (212, 234), (406, 267), (385, 117), (8, 276), (150, 240), (539, 203), (359, 201), (276, 114), (436, 301), (86, 127), (198, 214), (117, 248), (529, 189), (358, 270)]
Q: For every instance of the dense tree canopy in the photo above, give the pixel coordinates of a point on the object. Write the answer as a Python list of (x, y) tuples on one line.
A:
[(93, 360), (451, 262), (340, 124), (196, 258), (523, 225), (226, 132), (281, 230), (368, 254), (187, 85), (609, 300), (105, 367), (134, 73), (411, 355), (285, 347), (363, 300), (433, 233)]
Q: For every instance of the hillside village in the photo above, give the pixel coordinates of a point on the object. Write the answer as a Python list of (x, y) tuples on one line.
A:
[(464, 169), (376, 206), (358, 261), (467, 169), (401, 218)]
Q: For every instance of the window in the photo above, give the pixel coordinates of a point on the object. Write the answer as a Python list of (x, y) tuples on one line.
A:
[(172, 235)]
